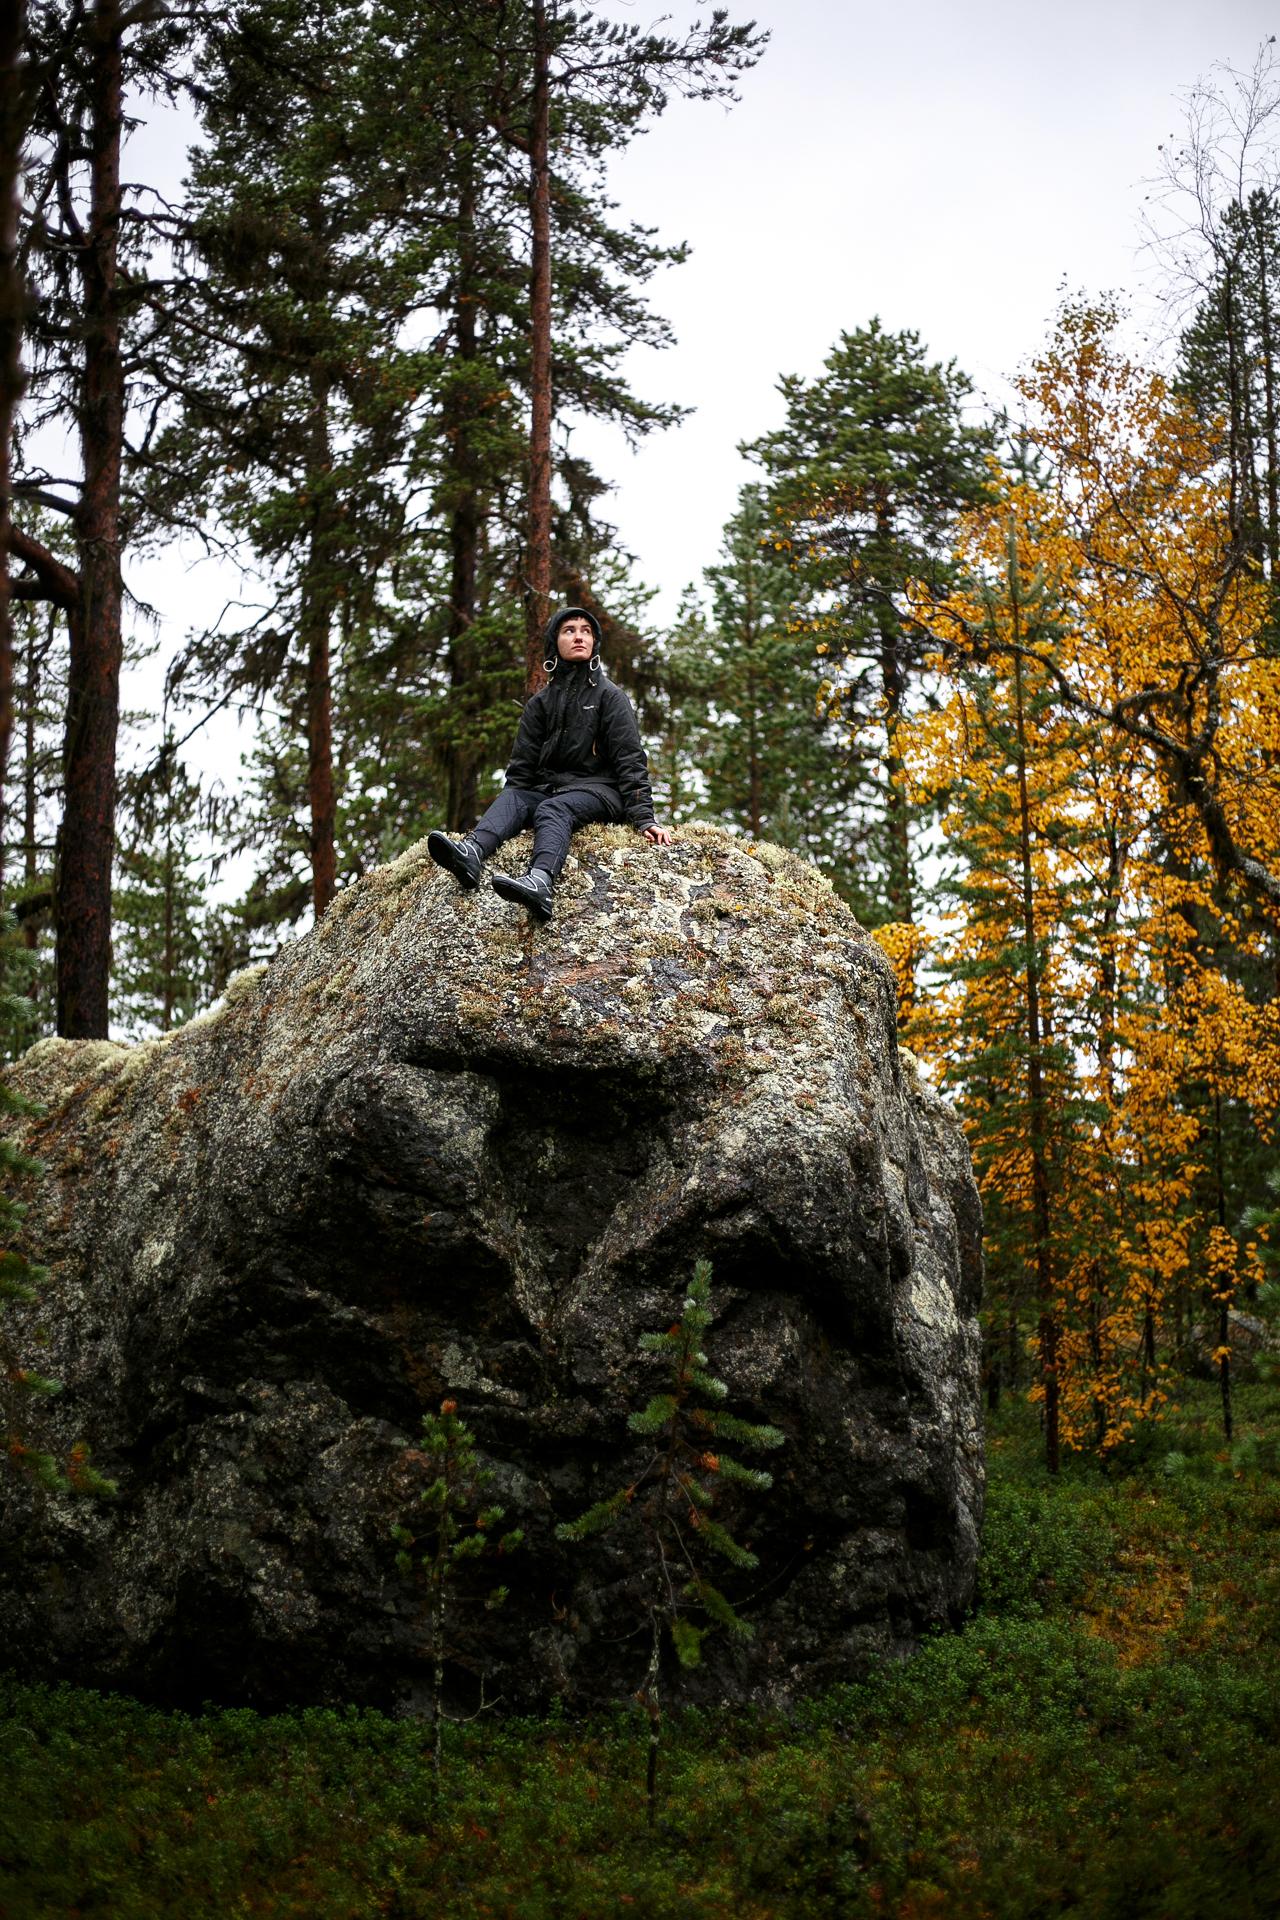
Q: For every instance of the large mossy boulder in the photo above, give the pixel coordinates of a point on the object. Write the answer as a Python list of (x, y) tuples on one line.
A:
[(433, 1150)]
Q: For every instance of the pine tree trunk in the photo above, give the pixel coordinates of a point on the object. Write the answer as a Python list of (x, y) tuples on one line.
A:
[(464, 538), (464, 773), (539, 596), (1248, 430), (1234, 410), (1272, 424), (893, 687), (897, 822), (31, 695), (1107, 970), (168, 904), (753, 749), (317, 608), (93, 681), (324, 867), (12, 119), (753, 719), (1224, 1300), (60, 587), (1095, 1349), (1048, 1328)]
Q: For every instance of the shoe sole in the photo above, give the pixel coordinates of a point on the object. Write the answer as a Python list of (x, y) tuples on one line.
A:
[(446, 858), (506, 889)]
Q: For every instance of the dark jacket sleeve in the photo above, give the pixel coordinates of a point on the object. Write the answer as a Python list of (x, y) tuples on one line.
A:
[(625, 755), (523, 768)]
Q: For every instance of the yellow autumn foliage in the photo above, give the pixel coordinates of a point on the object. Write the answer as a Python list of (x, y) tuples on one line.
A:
[(1107, 735)]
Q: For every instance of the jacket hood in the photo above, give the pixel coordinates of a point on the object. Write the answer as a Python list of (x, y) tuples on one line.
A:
[(550, 651)]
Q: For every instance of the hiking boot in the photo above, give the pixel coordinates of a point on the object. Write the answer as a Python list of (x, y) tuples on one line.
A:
[(532, 890), (462, 858)]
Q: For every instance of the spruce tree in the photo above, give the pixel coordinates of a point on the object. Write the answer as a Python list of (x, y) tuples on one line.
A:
[(161, 949), (866, 478), (452, 1496), (1229, 366), (750, 701), (671, 1506)]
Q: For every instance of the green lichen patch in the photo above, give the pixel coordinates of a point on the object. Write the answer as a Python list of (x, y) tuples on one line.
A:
[(246, 984)]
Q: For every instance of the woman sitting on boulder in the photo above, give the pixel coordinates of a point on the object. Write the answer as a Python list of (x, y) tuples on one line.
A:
[(577, 758)]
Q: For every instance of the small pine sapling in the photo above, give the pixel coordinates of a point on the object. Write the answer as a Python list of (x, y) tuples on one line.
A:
[(673, 1500), (450, 1453)]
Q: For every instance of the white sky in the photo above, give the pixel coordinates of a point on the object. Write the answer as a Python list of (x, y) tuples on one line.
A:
[(947, 166)]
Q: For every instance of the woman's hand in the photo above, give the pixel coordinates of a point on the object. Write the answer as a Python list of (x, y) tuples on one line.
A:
[(659, 836)]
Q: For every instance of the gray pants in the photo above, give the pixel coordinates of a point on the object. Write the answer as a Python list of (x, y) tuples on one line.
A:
[(553, 817)]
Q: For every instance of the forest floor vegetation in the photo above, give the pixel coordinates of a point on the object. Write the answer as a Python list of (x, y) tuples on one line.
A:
[(1102, 1737)]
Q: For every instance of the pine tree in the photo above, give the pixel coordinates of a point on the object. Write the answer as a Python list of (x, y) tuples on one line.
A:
[(16, 91), (1229, 366), (865, 481), (341, 207), (161, 951), (536, 102), (87, 238), (748, 696), (1212, 220), (671, 1504), (448, 1450), (595, 81), (34, 800), (280, 347)]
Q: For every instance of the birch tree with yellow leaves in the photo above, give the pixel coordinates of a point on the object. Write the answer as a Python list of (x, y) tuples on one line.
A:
[(1109, 739)]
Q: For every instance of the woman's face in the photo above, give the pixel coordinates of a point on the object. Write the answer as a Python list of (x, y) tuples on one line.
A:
[(575, 639)]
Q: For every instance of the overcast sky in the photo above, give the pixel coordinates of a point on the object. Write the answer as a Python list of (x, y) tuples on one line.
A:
[(946, 164)]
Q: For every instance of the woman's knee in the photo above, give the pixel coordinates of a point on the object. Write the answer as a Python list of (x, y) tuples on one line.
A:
[(553, 810)]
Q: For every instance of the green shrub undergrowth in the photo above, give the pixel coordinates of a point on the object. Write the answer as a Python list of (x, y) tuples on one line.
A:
[(1101, 1738)]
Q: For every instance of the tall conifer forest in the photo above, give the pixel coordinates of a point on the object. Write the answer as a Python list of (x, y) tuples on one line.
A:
[(1009, 678)]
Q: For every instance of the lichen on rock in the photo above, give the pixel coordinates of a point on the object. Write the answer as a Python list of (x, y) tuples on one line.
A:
[(434, 1148)]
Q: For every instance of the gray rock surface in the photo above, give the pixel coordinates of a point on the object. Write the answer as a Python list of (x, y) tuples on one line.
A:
[(433, 1150)]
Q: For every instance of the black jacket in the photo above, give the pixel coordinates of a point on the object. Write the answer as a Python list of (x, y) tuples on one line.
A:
[(574, 733)]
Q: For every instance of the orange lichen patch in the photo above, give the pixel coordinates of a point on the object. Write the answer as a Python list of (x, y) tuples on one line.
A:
[(596, 970)]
